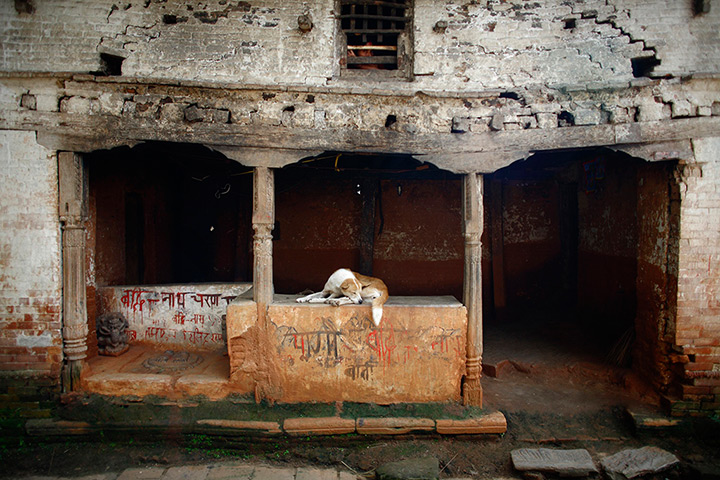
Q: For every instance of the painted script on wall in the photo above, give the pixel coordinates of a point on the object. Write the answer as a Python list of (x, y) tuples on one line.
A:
[(185, 315), (326, 353)]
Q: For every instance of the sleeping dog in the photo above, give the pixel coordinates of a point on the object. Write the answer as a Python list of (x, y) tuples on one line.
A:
[(345, 287)]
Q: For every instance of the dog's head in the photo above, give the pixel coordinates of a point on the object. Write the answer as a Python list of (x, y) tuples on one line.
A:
[(351, 288)]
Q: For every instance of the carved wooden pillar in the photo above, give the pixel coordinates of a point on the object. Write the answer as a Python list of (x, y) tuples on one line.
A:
[(263, 220), (472, 286), (72, 218)]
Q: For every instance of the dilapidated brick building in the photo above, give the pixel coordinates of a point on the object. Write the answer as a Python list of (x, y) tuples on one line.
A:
[(493, 161)]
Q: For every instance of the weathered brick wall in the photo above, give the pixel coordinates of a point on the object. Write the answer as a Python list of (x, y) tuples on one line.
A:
[(486, 44), (30, 293), (657, 256), (698, 310)]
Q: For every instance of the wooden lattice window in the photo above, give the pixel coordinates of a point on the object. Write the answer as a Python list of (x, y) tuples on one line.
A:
[(375, 33)]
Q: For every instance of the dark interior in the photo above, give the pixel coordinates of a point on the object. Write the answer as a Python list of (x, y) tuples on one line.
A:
[(564, 249), (567, 241), (389, 216), (170, 213)]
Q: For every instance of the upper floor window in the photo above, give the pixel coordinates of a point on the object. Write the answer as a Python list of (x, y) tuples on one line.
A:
[(376, 35)]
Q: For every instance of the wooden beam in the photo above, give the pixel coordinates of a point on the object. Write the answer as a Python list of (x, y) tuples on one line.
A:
[(457, 152)]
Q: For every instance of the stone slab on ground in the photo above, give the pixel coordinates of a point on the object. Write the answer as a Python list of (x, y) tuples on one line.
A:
[(308, 473), (186, 472), (427, 468), (242, 426), (273, 473), (142, 473), (393, 425), (632, 463), (568, 463), (230, 472), (319, 426), (490, 423)]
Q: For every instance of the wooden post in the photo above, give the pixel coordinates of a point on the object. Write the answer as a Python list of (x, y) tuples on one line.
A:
[(72, 219), (472, 286), (263, 220)]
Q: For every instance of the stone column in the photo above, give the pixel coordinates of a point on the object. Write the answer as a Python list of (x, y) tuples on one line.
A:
[(72, 219), (263, 220), (472, 286)]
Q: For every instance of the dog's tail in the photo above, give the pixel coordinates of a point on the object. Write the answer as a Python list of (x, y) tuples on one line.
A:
[(377, 313), (377, 307)]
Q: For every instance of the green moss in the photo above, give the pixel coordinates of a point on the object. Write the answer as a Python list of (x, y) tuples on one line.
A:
[(451, 411)]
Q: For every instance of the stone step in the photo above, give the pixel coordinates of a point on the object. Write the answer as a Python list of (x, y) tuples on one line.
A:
[(484, 424)]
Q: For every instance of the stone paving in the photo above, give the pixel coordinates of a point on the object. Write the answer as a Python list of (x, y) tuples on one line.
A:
[(217, 471)]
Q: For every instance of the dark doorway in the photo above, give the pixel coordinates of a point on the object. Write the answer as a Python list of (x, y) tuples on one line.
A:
[(564, 255)]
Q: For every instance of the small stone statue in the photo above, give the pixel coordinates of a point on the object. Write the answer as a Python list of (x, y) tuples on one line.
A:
[(111, 334)]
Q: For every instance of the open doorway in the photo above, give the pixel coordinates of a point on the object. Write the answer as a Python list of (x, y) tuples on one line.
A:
[(577, 244)]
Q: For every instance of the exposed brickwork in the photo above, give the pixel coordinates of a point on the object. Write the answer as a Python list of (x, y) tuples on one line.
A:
[(26, 397), (698, 310), (30, 296)]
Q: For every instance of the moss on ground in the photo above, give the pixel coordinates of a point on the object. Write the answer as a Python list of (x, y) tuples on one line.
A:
[(451, 411)]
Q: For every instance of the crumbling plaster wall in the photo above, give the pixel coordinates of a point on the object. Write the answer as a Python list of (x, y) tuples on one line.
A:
[(686, 41), (486, 44), (30, 283)]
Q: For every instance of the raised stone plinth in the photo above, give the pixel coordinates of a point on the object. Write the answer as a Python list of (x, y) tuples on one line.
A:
[(323, 353)]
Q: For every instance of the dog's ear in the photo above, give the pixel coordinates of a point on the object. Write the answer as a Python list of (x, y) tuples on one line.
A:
[(347, 285)]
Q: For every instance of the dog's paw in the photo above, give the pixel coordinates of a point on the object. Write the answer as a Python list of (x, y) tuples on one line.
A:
[(302, 300), (334, 302)]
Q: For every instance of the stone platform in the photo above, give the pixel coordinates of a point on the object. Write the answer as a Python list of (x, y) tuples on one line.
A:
[(198, 384), (151, 370), (318, 352)]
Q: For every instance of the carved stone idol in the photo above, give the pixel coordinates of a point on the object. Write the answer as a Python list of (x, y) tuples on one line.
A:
[(111, 334)]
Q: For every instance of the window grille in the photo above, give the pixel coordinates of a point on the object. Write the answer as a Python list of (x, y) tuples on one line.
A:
[(373, 30)]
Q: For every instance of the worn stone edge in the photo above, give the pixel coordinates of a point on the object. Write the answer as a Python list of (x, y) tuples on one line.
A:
[(242, 426), (564, 469), (393, 425), (319, 426), (493, 422), (490, 423)]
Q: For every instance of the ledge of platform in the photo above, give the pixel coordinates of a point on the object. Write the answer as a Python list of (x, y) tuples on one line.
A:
[(479, 424), (393, 301)]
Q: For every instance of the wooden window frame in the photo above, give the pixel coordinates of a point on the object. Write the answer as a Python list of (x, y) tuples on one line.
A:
[(401, 61)]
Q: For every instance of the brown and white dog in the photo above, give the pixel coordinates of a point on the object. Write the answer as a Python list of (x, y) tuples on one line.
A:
[(345, 287)]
